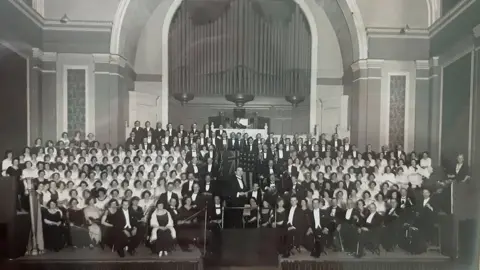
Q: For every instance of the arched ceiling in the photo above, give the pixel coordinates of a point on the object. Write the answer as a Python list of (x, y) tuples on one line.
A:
[(133, 15), (346, 16)]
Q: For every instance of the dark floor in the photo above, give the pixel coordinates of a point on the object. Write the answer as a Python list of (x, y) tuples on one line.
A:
[(97, 254)]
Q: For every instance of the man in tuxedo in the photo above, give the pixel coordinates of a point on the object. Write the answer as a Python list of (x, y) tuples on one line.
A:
[(148, 129), (131, 141), (296, 225), (238, 197), (318, 229), (168, 195), (193, 167), (159, 132), (426, 214), (125, 226), (139, 132), (187, 187), (208, 188), (255, 193), (368, 232), (210, 169), (336, 142)]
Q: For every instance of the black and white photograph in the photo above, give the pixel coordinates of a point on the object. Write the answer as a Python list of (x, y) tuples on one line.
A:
[(240, 134)]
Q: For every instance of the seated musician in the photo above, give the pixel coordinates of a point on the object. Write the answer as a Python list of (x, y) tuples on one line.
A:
[(318, 230), (296, 225), (393, 223), (168, 195), (187, 225), (334, 214), (215, 225), (251, 220), (346, 229), (368, 233)]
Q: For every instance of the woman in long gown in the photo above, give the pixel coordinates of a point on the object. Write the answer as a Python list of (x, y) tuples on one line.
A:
[(78, 226), (251, 220), (280, 224), (93, 218), (162, 235), (108, 220), (52, 227)]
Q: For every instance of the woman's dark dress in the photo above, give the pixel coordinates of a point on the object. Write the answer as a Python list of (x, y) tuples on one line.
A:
[(186, 232), (79, 234), (53, 234), (137, 214), (253, 214), (109, 232), (265, 218), (22, 201), (281, 229), (164, 240)]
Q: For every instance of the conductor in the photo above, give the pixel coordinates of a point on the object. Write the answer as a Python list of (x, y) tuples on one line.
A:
[(238, 198)]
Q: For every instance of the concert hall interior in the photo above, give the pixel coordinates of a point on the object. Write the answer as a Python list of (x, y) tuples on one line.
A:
[(269, 134)]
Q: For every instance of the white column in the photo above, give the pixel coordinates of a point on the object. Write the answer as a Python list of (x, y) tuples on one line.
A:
[(344, 112), (39, 6)]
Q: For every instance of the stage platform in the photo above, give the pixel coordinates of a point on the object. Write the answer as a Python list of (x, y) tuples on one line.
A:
[(98, 259), (395, 260)]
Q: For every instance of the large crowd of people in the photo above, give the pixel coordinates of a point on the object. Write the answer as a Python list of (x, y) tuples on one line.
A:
[(154, 190)]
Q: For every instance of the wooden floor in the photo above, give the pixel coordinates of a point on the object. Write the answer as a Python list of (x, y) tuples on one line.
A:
[(396, 255), (98, 255)]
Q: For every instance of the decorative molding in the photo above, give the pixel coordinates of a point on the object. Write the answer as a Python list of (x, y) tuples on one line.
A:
[(367, 64), (397, 32), (446, 19), (13, 49), (117, 26), (149, 78), (56, 25), (108, 73), (28, 11), (44, 70), (44, 56), (360, 28), (367, 78), (422, 64), (434, 61), (39, 7)]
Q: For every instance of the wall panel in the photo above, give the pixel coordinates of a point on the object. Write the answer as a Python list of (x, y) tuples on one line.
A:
[(456, 109), (13, 101)]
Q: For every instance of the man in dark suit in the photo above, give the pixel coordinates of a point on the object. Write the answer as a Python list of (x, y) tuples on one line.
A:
[(210, 169), (139, 132), (368, 232), (159, 132), (318, 229), (193, 168), (131, 141), (168, 195), (255, 193), (125, 227), (181, 130), (398, 153), (208, 187), (238, 197), (271, 168), (461, 171), (148, 129), (368, 151), (233, 142), (296, 227), (335, 142), (334, 214), (187, 187)]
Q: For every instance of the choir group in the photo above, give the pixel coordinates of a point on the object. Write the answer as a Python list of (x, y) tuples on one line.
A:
[(155, 189)]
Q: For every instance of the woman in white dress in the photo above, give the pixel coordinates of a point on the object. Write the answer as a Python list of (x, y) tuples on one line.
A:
[(425, 169), (380, 204), (7, 162)]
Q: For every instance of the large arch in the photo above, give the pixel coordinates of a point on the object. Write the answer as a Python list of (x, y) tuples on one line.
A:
[(343, 16)]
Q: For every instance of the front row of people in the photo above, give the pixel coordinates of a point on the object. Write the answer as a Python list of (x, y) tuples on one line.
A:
[(356, 228), (122, 227)]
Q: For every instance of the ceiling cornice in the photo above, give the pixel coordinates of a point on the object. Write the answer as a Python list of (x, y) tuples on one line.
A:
[(56, 25)]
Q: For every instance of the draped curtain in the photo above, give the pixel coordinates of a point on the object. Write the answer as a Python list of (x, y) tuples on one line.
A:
[(260, 47)]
